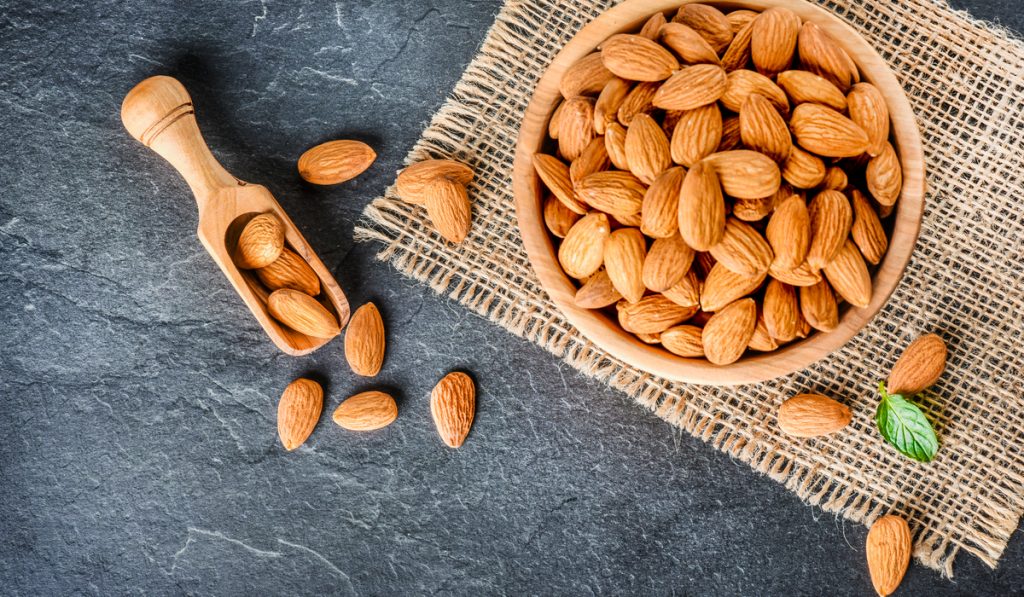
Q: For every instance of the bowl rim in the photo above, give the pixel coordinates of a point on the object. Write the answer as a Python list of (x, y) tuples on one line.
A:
[(600, 329)]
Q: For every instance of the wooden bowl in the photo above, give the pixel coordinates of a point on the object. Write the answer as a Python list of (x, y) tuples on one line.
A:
[(603, 330)]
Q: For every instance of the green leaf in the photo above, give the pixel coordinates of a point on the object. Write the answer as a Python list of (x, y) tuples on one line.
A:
[(903, 425)]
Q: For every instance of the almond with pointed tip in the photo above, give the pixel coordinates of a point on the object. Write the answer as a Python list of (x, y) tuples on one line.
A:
[(615, 145), (849, 277), (582, 250), (867, 231), (624, 254), (803, 169), (773, 40), (667, 261), (366, 411), (781, 311), (920, 366), (742, 249), (687, 44), (802, 275), (888, 551), (868, 110), (594, 158), (806, 87), (723, 286), (691, 87), (638, 101), (701, 208), (660, 208), (683, 340), (884, 176), (365, 341), (763, 129), (453, 406), (762, 341), (637, 58), (620, 194), (728, 332), (825, 132), (652, 27), (746, 174), (821, 55), (709, 22), (741, 83), (449, 209), (738, 19), (789, 233), (606, 108), (685, 292), (597, 292), (812, 415), (831, 218), (302, 313), (298, 411), (652, 314), (697, 135), (647, 148), (290, 271), (738, 53), (818, 306), (260, 243), (556, 177), (835, 179), (335, 162), (587, 76), (412, 182), (557, 217), (575, 127)]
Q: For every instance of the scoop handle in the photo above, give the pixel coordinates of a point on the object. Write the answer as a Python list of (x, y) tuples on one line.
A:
[(159, 113)]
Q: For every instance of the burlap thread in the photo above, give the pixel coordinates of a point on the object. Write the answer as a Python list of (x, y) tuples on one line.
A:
[(965, 81)]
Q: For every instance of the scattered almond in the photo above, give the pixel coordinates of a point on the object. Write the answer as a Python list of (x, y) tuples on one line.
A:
[(812, 415), (920, 366), (412, 182), (888, 553), (365, 341), (453, 406), (298, 411), (366, 411), (335, 162)]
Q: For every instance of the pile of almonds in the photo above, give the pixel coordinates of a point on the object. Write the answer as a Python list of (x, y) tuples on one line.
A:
[(293, 286), (720, 179)]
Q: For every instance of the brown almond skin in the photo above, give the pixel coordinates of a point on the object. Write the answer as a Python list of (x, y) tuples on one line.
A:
[(763, 129), (557, 217), (709, 22), (556, 177), (701, 208), (298, 411), (919, 367), (667, 261), (587, 76), (365, 341), (801, 276), (746, 174), (724, 286), (620, 194), (802, 87), (449, 209), (697, 135), (593, 159), (812, 415), (803, 169), (453, 406), (624, 254), (685, 292), (868, 109), (687, 44), (825, 132), (831, 218), (652, 314), (615, 145), (302, 313), (867, 231), (290, 271), (582, 251), (762, 341), (598, 292), (742, 83), (789, 233), (575, 127), (888, 550), (728, 332), (606, 108), (782, 311), (821, 55), (683, 340), (773, 40), (818, 306), (647, 148), (637, 58), (652, 27), (638, 101), (366, 411), (412, 182), (335, 162), (884, 176), (849, 277), (742, 249), (691, 88), (660, 209), (835, 179), (738, 54), (738, 19), (260, 243)]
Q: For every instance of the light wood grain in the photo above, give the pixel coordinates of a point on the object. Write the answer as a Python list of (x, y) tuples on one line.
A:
[(159, 113), (603, 331)]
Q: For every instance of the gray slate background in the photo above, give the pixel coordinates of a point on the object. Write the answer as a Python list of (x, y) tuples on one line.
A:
[(138, 450)]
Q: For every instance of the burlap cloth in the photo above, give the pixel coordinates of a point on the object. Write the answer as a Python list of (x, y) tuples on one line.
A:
[(965, 81)]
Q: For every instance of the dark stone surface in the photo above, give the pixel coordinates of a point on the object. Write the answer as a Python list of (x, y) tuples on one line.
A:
[(138, 450)]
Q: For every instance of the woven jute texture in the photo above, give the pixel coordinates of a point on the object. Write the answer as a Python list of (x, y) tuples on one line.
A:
[(965, 81)]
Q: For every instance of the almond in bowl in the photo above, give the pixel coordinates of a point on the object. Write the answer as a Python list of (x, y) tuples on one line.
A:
[(743, 181)]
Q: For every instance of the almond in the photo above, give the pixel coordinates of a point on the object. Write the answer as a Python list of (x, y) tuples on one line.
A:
[(737, 56), (598, 292), (556, 177), (724, 286), (575, 127), (806, 87), (821, 55), (606, 108), (298, 411), (670, 120), (453, 406), (825, 132), (709, 22), (888, 552), (617, 193), (260, 243), (773, 40), (652, 27), (660, 207), (637, 58), (335, 161), (625, 221), (740, 84), (728, 332), (687, 44), (781, 311), (649, 338), (652, 314), (738, 19), (789, 233), (763, 130), (686, 292), (624, 254), (290, 271), (920, 366), (697, 134), (701, 208), (803, 169), (594, 158), (818, 306), (692, 87), (867, 231), (666, 263), (364, 341), (411, 184), (730, 133), (683, 340), (302, 313), (638, 101), (647, 149), (884, 176), (835, 179), (557, 217), (754, 210), (831, 218), (587, 76), (849, 275), (762, 341), (801, 275), (746, 174), (868, 110), (449, 209), (366, 411), (582, 250), (742, 249), (615, 144), (812, 415), (555, 121)]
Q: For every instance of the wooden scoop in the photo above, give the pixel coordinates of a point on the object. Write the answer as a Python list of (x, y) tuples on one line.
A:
[(159, 112)]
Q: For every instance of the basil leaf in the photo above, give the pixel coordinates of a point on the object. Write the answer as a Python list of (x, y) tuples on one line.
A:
[(903, 425)]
